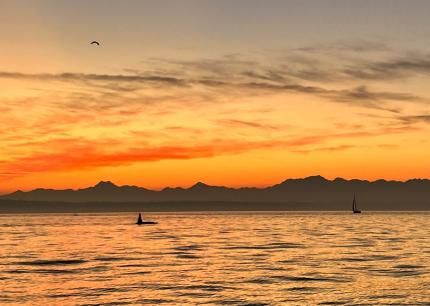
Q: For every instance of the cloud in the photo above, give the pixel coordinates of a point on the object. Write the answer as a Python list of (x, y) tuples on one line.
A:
[(371, 99), (230, 76), (415, 119), (68, 76), (8, 173), (243, 123), (94, 156), (363, 93), (90, 157), (356, 46), (343, 147), (405, 66), (327, 149), (388, 146), (360, 96), (357, 61), (55, 154)]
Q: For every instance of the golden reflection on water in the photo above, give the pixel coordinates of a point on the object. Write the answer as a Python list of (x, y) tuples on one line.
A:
[(216, 259)]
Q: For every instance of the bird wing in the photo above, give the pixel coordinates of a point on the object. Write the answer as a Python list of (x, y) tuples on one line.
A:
[(95, 42)]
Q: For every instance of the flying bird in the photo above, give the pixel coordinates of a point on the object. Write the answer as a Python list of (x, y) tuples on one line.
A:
[(95, 43)]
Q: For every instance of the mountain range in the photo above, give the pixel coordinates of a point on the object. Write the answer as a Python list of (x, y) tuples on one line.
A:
[(311, 193)]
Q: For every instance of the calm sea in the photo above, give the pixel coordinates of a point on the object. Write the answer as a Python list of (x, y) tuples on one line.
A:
[(263, 258)]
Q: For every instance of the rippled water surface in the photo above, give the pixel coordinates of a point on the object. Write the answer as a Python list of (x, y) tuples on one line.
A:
[(216, 259)]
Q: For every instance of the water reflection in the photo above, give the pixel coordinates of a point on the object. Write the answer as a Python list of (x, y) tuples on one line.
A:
[(216, 259)]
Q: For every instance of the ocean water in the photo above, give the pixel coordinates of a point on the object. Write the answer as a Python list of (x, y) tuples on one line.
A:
[(289, 258)]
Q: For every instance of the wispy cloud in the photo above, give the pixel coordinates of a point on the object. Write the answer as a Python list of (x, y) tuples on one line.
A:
[(355, 46), (244, 123), (400, 67), (232, 75), (326, 149), (415, 119), (93, 77), (54, 155)]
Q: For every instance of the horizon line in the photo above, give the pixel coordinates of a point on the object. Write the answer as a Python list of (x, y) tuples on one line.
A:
[(222, 186)]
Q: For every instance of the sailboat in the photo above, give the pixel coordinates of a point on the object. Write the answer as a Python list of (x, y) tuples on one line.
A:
[(141, 222), (354, 207)]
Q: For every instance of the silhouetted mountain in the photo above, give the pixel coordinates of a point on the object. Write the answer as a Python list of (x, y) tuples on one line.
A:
[(311, 193)]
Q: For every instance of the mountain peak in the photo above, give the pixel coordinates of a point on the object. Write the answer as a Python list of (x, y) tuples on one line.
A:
[(316, 178), (105, 184), (199, 185), (309, 179)]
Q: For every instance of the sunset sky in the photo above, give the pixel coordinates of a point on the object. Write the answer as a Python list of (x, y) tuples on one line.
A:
[(235, 93)]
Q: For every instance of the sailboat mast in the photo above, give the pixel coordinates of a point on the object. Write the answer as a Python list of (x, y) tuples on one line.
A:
[(354, 206)]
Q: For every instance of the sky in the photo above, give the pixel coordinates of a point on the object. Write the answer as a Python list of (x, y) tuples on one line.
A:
[(233, 93)]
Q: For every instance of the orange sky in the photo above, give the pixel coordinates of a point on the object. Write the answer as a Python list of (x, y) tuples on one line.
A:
[(171, 113)]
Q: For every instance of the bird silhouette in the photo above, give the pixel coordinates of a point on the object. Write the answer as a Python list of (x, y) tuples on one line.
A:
[(95, 43)]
